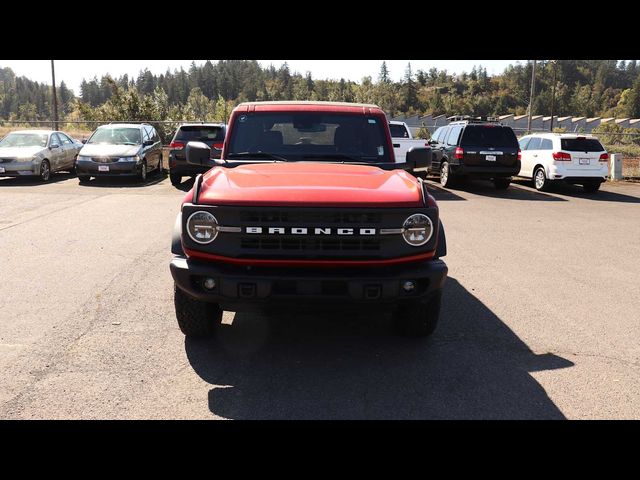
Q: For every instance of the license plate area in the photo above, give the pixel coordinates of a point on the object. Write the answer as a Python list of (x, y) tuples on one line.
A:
[(584, 161), (103, 168), (1, 169), (490, 158)]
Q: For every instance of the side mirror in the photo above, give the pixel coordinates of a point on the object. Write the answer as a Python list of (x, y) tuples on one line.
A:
[(198, 153), (418, 157), (432, 142), (84, 140)]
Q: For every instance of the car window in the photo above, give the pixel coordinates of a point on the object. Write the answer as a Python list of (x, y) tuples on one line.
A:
[(398, 131), (199, 133), (524, 142), (116, 136), (437, 134), (55, 140), (145, 134), (546, 144), (581, 144), (534, 144), (154, 135), (443, 134), (64, 139), (454, 134), (489, 136)]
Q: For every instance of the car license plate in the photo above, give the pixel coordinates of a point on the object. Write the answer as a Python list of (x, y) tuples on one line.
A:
[(490, 158), (1, 169), (584, 161), (103, 168)]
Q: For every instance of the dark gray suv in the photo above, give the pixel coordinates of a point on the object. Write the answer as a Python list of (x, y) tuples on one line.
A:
[(210, 133), (120, 149)]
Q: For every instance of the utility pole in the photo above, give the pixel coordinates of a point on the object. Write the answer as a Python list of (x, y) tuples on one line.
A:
[(55, 100), (533, 85), (553, 93)]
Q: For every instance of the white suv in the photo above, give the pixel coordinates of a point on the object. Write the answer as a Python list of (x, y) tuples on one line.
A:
[(572, 158)]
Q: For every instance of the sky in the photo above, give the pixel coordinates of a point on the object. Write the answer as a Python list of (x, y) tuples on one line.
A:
[(72, 72)]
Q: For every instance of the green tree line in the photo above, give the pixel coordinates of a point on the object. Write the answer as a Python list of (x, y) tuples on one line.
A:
[(207, 92)]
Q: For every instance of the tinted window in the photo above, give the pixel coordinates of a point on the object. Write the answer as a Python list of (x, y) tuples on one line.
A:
[(398, 131), (198, 133), (64, 139), (443, 134), (437, 134), (489, 136), (310, 136), (581, 145), (454, 134), (534, 144), (524, 142), (55, 140), (546, 144)]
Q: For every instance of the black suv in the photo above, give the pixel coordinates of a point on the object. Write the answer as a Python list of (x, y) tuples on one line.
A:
[(210, 133), (475, 147)]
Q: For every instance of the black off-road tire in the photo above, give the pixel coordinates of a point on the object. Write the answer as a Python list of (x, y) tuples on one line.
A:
[(419, 319), (501, 183), (196, 319)]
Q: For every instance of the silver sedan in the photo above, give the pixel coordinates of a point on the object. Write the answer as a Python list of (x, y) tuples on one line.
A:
[(37, 153)]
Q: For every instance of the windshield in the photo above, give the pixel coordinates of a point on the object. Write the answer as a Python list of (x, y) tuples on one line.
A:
[(309, 136), (116, 136), (581, 145), (488, 136), (25, 140)]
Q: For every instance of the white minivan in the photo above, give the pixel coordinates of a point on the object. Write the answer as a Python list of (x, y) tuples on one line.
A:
[(567, 157)]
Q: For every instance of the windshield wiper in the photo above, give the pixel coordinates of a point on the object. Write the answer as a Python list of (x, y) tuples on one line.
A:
[(339, 156), (258, 154)]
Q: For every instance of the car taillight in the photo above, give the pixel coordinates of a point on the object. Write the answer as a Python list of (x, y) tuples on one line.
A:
[(176, 145), (604, 157), (519, 154), (459, 153), (218, 146), (561, 156)]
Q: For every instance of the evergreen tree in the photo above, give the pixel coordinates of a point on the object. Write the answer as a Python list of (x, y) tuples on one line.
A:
[(383, 77)]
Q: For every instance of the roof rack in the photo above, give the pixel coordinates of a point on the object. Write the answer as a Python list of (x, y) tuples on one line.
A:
[(470, 119)]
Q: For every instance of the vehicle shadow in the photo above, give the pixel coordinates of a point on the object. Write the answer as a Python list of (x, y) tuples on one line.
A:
[(124, 182), (576, 191), (186, 185), (35, 181), (516, 191), (312, 366), (442, 194)]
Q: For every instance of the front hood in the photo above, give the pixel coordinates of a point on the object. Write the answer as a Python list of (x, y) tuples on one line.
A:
[(105, 150), (309, 184), (20, 152)]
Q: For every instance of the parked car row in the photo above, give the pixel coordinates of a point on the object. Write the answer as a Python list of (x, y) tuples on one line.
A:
[(484, 148)]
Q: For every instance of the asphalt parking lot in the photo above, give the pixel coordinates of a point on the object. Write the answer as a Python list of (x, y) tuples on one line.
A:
[(540, 318)]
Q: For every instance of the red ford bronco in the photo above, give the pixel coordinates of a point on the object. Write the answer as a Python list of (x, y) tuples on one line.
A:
[(307, 206)]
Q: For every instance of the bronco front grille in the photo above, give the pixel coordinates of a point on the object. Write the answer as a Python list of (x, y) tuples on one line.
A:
[(310, 244)]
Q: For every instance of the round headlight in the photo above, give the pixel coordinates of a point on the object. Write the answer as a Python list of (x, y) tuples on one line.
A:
[(417, 229), (202, 227)]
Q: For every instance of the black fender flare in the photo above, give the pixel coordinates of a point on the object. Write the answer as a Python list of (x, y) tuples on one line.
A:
[(441, 249)]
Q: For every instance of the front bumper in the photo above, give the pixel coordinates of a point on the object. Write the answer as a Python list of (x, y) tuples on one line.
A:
[(246, 288), (90, 168), (19, 169), (486, 172)]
